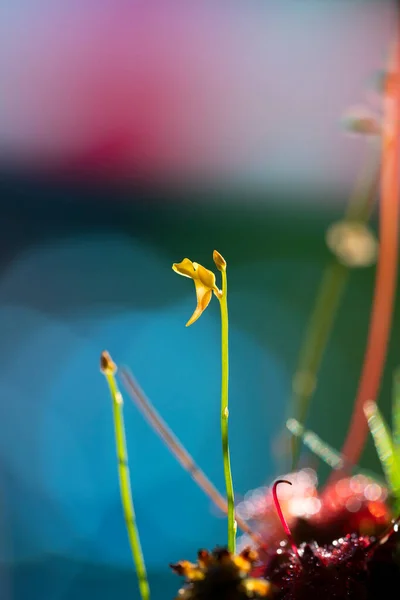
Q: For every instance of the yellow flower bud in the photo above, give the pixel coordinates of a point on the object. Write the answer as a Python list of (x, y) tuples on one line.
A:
[(219, 260)]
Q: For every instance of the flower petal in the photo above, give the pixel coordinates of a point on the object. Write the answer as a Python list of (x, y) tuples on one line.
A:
[(204, 295), (189, 570), (185, 268), (206, 277), (258, 587)]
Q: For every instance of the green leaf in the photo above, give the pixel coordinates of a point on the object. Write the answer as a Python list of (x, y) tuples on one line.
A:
[(396, 412), (384, 446)]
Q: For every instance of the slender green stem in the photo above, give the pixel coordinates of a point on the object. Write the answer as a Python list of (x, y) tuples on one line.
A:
[(225, 415), (125, 487), (320, 327)]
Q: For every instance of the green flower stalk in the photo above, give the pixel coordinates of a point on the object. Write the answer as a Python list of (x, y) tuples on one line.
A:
[(221, 266), (109, 369), (205, 285)]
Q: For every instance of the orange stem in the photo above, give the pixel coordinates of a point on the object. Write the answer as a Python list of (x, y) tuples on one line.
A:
[(386, 272)]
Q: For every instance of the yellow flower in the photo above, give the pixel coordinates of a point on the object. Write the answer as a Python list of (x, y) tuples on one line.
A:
[(204, 281), (221, 574)]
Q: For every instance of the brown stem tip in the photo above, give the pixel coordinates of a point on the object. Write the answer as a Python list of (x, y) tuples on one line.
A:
[(107, 365)]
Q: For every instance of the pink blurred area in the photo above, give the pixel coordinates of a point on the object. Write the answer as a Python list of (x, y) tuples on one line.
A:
[(232, 92)]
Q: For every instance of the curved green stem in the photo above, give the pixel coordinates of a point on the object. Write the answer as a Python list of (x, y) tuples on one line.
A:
[(225, 415), (328, 299), (124, 481)]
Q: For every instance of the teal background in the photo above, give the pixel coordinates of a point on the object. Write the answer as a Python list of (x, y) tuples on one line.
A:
[(84, 269)]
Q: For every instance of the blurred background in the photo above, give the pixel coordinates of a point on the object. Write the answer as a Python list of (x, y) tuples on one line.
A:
[(133, 134)]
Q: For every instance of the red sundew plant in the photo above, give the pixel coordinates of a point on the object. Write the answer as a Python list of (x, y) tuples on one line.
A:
[(345, 568), (354, 504)]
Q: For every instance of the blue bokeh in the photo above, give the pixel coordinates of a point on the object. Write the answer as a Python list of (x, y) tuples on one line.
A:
[(62, 304)]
